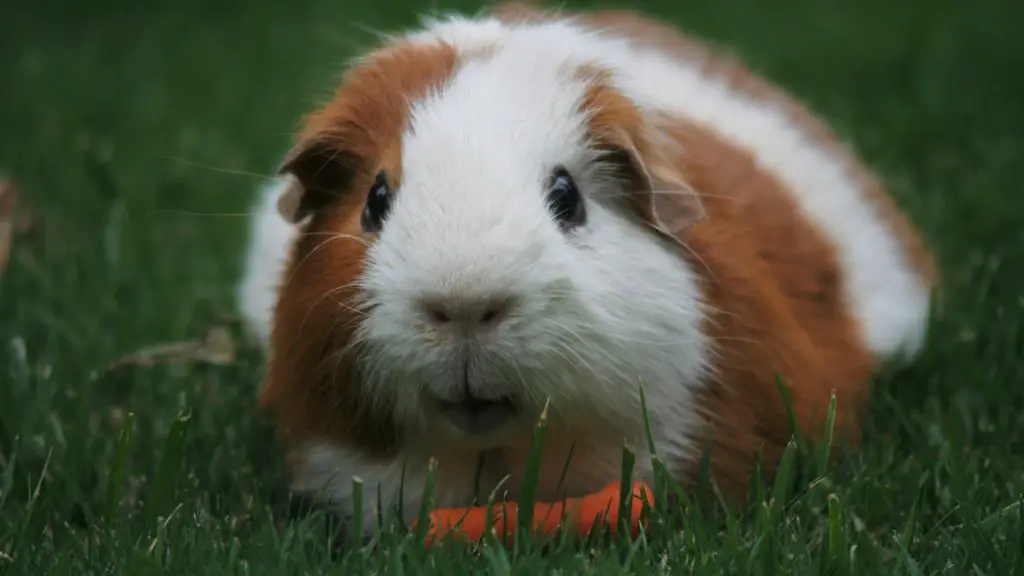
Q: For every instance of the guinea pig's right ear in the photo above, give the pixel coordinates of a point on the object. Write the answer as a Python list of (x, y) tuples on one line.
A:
[(660, 192), (322, 171)]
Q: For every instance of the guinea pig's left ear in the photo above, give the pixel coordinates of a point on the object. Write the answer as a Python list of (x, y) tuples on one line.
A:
[(289, 202), (659, 189), (322, 171)]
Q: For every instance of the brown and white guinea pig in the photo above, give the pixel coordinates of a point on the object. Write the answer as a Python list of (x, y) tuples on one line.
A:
[(520, 207)]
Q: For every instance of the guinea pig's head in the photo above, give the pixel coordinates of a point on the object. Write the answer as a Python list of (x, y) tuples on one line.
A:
[(481, 233)]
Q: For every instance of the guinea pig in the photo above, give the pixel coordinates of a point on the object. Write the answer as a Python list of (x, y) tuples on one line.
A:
[(527, 209)]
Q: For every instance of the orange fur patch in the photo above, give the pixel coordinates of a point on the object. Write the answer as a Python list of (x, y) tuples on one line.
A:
[(311, 387), (775, 288)]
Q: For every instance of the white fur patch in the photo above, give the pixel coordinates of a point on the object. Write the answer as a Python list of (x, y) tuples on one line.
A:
[(270, 239), (596, 311)]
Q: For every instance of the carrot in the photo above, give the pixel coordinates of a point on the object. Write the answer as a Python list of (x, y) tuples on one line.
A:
[(582, 515)]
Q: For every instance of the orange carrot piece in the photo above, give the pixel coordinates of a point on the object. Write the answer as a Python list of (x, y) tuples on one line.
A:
[(582, 515)]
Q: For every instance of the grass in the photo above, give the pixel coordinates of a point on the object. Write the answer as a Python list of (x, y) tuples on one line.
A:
[(123, 124)]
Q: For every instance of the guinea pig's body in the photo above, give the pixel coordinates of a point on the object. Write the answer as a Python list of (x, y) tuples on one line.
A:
[(520, 208)]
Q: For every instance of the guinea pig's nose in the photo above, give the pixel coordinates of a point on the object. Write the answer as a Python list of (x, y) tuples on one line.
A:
[(471, 315)]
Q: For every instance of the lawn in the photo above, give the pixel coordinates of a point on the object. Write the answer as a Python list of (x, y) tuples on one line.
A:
[(137, 134)]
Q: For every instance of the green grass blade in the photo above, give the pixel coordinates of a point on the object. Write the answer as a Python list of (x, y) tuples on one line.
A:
[(357, 526), (787, 402), (118, 470), (426, 502), (531, 476), (835, 555), (782, 483), (825, 450), (626, 491), (648, 433), (163, 487)]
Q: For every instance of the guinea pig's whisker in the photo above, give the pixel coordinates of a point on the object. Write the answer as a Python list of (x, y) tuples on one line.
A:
[(336, 357), (689, 192), (367, 361), (559, 335), (623, 194), (356, 308), (601, 376), (331, 237), (564, 351), (381, 35), (342, 323), (316, 304), (564, 344), (364, 353), (510, 359), (337, 157), (230, 171), (700, 260), (340, 235), (368, 353), (334, 326), (751, 341), (567, 329), (205, 214), (659, 342)]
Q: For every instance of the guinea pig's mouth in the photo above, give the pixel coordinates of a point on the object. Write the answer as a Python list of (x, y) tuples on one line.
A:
[(477, 416)]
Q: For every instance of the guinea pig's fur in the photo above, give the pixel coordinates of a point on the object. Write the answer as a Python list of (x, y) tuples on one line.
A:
[(726, 236)]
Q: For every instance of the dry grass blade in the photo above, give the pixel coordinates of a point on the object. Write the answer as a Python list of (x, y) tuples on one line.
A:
[(8, 200), (218, 347), (14, 220)]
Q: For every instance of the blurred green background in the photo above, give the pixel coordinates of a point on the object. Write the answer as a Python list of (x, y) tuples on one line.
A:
[(137, 133)]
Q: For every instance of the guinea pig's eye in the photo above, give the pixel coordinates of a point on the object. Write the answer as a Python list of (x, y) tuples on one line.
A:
[(564, 199), (378, 202)]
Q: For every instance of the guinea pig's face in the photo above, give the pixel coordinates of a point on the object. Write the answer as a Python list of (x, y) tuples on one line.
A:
[(478, 299), (510, 260)]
